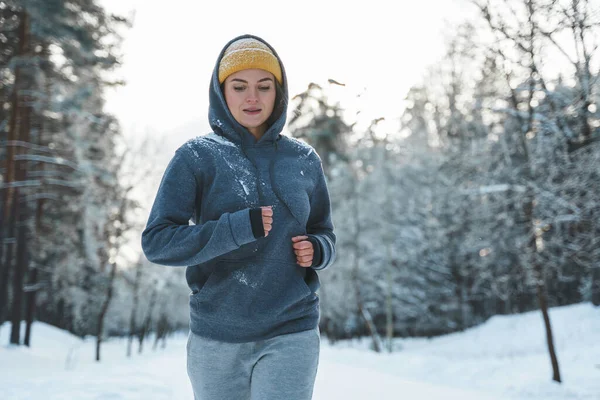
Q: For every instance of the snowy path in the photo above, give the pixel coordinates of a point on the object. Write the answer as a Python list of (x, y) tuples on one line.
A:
[(162, 375), (337, 380), (505, 358)]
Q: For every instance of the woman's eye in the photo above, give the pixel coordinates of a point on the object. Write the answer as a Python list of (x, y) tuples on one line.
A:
[(239, 88), (264, 88)]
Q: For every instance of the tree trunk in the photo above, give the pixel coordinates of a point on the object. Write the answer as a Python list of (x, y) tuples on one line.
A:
[(596, 285), (9, 241), (543, 300), (147, 321), (13, 129), (389, 305), (3, 267), (22, 114), (538, 268), (21, 264), (7, 234), (391, 263), (30, 306), (134, 308), (102, 315), (19, 276), (580, 27), (542, 295), (162, 327), (362, 313), (465, 310), (157, 337)]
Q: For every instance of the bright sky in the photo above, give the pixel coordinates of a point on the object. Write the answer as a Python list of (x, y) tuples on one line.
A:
[(170, 52)]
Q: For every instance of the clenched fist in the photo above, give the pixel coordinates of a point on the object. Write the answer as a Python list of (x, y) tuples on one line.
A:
[(267, 218), (304, 250)]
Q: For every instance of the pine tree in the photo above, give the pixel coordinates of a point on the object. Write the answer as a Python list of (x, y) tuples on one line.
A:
[(60, 146)]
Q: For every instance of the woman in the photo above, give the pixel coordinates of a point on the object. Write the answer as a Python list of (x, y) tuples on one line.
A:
[(263, 227)]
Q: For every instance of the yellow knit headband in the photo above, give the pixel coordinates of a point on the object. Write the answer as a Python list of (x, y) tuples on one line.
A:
[(248, 53)]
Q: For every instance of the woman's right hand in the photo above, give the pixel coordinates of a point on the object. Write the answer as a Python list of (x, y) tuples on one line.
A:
[(267, 218)]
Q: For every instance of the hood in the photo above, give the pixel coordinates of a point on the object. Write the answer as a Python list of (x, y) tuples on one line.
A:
[(221, 120)]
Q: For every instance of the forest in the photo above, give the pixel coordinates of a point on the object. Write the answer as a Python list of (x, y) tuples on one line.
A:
[(485, 202)]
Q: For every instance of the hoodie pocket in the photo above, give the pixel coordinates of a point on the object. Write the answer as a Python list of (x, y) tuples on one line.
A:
[(239, 291)]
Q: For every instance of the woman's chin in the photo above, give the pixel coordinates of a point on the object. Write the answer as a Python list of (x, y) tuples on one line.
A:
[(252, 124)]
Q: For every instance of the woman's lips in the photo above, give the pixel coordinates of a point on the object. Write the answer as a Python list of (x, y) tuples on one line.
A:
[(253, 111)]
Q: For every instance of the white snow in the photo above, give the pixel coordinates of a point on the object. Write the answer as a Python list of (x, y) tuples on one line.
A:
[(219, 139), (505, 358), (191, 147), (238, 165), (241, 277), (245, 187), (301, 146)]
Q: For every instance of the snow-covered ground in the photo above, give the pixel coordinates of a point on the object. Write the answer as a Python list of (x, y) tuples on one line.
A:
[(505, 358)]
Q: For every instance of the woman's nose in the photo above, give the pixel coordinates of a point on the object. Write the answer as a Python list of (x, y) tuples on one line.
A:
[(252, 96)]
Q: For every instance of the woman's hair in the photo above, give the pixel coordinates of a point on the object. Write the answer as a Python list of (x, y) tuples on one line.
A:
[(280, 104)]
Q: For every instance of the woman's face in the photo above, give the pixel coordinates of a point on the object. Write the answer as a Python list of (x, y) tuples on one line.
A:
[(250, 96)]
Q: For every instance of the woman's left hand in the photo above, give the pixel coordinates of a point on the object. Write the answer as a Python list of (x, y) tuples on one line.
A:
[(304, 251)]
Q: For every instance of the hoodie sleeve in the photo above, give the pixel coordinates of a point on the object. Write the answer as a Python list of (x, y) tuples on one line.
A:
[(169, 239), (320, 225)]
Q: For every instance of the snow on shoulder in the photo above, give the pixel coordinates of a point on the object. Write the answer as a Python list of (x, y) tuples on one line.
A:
[(210, 141), (304, 149), (219, 139)]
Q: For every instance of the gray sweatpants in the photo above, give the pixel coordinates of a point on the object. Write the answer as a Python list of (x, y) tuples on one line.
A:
[(280, 368)]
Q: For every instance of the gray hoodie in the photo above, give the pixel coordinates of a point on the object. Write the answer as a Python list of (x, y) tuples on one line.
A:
[(245, 286)]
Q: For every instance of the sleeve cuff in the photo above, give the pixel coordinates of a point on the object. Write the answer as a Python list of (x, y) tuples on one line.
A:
[(318, 252), (258, 229), (241, 228)]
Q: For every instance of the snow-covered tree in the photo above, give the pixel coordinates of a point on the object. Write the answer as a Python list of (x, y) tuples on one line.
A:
[(59, 163)]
